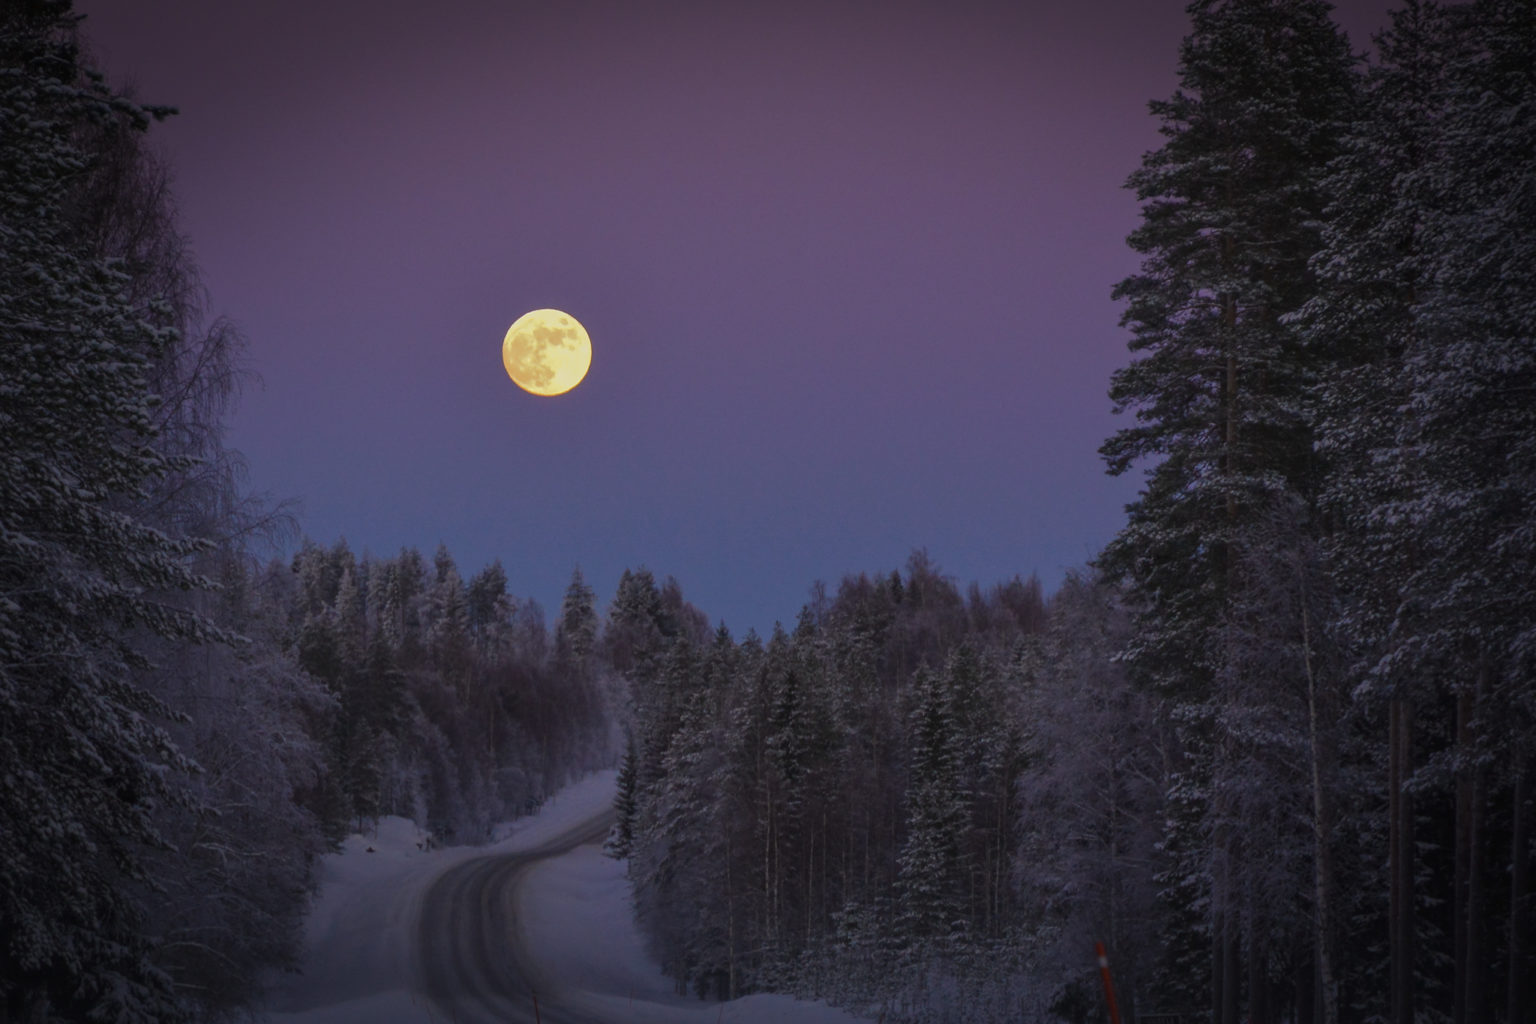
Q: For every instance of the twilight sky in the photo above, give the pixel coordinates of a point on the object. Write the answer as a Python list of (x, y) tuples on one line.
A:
[(846, 268)]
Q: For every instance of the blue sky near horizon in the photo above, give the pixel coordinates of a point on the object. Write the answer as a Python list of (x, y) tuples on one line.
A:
[(846, 269)]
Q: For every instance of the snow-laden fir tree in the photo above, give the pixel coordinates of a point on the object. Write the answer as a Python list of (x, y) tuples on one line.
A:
[(490, 608), (1230, 207), (677, 869), (576, 631), (1360, 324), (933, 872), (621, 836), (83, 762), (1424, 314), (1467, 439), (1090, 798)]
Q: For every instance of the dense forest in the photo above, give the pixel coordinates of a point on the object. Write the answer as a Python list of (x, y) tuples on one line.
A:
[(1273, 748), (185, 726)]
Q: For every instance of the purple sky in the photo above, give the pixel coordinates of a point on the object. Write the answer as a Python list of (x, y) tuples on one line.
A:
[(846, 269)]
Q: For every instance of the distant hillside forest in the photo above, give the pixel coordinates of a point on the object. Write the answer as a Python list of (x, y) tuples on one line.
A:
[(1274, 748)]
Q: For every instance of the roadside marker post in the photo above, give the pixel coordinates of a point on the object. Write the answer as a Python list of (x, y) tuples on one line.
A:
[(1109, 985)]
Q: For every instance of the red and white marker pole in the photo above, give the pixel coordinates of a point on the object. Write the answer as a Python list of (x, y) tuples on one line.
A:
[(1109, 985)]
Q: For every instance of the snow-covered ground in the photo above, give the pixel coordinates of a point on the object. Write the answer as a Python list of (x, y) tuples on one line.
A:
[(575, 912)]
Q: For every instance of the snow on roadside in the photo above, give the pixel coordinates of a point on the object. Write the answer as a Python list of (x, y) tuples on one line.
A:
[(576, 911), (357, 966)]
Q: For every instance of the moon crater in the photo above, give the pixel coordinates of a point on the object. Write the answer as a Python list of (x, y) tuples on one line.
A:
[(546, 352)]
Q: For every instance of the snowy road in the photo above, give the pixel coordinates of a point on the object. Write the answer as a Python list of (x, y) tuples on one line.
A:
[(405, 935), (473, 955)]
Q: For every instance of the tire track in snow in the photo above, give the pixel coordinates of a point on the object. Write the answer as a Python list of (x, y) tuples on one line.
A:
[(472, 958)]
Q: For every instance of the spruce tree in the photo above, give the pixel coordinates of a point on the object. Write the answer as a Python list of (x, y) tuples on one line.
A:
[(448, 628), (1230, 206), (1425, 316), (621, 837), (932, 868), (1360, 327), (82, 761), (636, 636), (490, 609), (576, 632), (1467, 439)]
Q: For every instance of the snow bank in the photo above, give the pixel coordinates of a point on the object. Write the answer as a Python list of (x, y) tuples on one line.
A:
[(575, 910), (575, 803), (358, 962)]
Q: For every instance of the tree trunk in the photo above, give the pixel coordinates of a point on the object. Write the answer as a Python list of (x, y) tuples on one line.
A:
[(730, 925), (1306, 984), (810, 886), (1318, 706), (1226, 952), (1400, 923), (1218, 967), (768, 893), (1476, 986), (1463, 827), (1258, 971), (1229, 409), (1469, 990), (1519, 891), (1232, 993), (1002, 859)]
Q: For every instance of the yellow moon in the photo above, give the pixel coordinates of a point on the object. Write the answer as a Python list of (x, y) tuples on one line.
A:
[(546, 352)]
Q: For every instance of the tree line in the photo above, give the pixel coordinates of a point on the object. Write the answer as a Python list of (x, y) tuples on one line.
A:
[(453, 706), (1276, 749), (183, 728), (1273, 748), (1329, 565)]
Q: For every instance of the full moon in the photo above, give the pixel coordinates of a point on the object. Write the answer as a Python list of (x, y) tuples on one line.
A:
[(546, 352)]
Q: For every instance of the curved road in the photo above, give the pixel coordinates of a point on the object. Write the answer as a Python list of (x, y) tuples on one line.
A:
[(471, 955)]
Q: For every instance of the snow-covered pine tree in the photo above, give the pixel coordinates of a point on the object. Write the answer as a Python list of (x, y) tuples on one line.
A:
[(634, 635), (1375, 267), (676, 871), (933, 872), (1467, 613), (990, 757), (395, 590), (621, 837), (448, 630), (1090, 801), (490, 611), (352, 612), (82, 761), (1427, 318), (232, 886), (576, 632), (1230, 205)]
